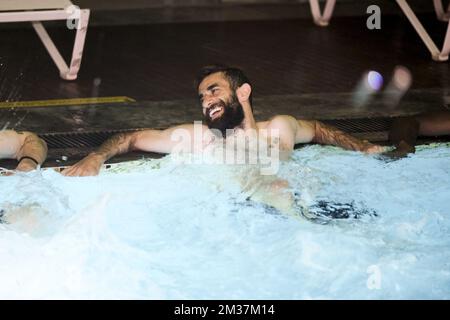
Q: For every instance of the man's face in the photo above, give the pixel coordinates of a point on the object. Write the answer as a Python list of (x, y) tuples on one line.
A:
[(221, 108)]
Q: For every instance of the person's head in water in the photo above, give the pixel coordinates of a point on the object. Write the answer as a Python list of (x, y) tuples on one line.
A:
[(217, 86)]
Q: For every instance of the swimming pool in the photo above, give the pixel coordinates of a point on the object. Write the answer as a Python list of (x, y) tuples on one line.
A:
[(160, 229)]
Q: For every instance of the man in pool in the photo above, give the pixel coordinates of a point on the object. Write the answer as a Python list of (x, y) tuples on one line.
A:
[(225, 95), (29, 150)]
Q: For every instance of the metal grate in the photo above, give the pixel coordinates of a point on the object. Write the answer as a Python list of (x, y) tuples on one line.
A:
[(90, 139), (361, 125)]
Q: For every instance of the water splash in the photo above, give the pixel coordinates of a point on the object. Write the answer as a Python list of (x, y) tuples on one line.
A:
[(159, 229)]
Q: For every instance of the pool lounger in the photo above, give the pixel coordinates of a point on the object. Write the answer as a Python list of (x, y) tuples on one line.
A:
[(48, 10), (320, 19), (437, 55)]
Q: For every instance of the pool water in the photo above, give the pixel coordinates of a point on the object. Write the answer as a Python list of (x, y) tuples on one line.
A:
[(160, 229)]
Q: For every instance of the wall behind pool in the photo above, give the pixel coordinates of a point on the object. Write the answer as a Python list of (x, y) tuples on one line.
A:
[(418, 5), (119, 12)]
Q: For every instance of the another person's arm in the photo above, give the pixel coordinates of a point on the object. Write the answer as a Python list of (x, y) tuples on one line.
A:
[(160, 141), (26, 147), (404, 131)]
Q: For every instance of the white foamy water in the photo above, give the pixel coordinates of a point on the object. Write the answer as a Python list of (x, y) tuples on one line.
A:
[(159, 229)]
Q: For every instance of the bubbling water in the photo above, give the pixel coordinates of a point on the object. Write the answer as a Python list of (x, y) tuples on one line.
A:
[(172, 230)]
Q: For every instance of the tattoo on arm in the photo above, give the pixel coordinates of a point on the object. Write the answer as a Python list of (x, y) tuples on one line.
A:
[(326, 134), (118, 144)]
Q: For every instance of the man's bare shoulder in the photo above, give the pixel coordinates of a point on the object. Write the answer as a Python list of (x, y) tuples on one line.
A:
[(5, 133), (186, 128), (277, 120), (197, 125)]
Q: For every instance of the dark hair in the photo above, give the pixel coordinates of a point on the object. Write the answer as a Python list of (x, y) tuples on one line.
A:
[(235, 76)]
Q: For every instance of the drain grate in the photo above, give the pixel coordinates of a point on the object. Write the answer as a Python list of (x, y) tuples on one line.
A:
[(90, 139), (361, 125), (93, 139)]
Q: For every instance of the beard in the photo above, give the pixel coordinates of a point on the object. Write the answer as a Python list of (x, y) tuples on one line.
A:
[(232, 116)]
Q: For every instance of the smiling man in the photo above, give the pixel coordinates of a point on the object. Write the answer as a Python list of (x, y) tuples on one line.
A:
[(225, 96)]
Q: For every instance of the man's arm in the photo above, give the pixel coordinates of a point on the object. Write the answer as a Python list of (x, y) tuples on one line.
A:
[(325, 134), (26, 147), (159, 141), (293, 131)]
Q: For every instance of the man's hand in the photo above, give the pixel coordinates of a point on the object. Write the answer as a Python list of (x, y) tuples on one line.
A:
[(89, 166), (243, 94), (374, 149)]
